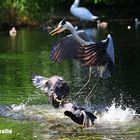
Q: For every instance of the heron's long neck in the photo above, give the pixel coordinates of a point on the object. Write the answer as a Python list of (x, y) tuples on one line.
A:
[(76, 3), (77, 37)]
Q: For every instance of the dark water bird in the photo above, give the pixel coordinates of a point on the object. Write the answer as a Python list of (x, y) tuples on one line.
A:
[(96, 55), (81, 12), (57, 90), (80, 116), (54, 87)]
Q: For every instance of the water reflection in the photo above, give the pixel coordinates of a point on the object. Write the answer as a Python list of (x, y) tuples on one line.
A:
[(13, 43)]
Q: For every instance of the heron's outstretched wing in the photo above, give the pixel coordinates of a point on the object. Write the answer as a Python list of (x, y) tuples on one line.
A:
[(92, 55), (67, 47), (100, 56)]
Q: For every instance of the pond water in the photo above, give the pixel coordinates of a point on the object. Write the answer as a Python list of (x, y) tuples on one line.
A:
[(25, 112)]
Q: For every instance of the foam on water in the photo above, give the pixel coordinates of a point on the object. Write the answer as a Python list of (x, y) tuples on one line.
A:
[(22, 105), (17, 107), (108, 115), (117, 114)]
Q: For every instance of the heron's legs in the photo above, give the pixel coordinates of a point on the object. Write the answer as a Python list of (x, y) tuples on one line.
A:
[(88, 96), (90, 71)]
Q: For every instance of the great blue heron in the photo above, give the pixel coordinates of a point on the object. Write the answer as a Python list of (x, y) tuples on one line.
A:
[(80, 115), (81, 12), (99, 55), (55, 87)]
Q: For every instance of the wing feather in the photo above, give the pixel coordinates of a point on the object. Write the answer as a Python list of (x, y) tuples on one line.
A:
[(97, 56), (67, 48), (92, 54)]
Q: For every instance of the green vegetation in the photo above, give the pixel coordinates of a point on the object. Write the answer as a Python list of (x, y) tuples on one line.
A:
[(32, 12), (124, 2), (24, 11), (21, 130)]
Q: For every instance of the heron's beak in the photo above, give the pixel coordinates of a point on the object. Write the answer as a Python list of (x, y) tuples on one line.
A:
[(55, 31)]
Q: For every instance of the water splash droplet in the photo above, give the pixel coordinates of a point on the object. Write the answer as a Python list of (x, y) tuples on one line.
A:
[(117, 114), (17, 108)]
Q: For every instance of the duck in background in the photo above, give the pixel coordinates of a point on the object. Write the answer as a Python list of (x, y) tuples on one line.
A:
[(13, 32), (102, 24), (81, 12)]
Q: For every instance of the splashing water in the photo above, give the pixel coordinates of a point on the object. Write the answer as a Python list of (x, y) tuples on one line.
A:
[(22, 105), (109, 115), (17, 108), (117, 114)]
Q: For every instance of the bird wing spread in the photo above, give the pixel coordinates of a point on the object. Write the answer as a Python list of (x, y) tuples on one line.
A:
[(92, 55), (96, 55), (67, 48)]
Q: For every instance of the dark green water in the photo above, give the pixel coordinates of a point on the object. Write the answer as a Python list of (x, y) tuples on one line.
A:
[(29, 52)]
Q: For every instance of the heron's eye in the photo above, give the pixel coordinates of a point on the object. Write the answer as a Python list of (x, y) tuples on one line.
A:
[(63, 22)]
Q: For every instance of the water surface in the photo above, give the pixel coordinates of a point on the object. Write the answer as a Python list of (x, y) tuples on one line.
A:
[(27, 111)]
